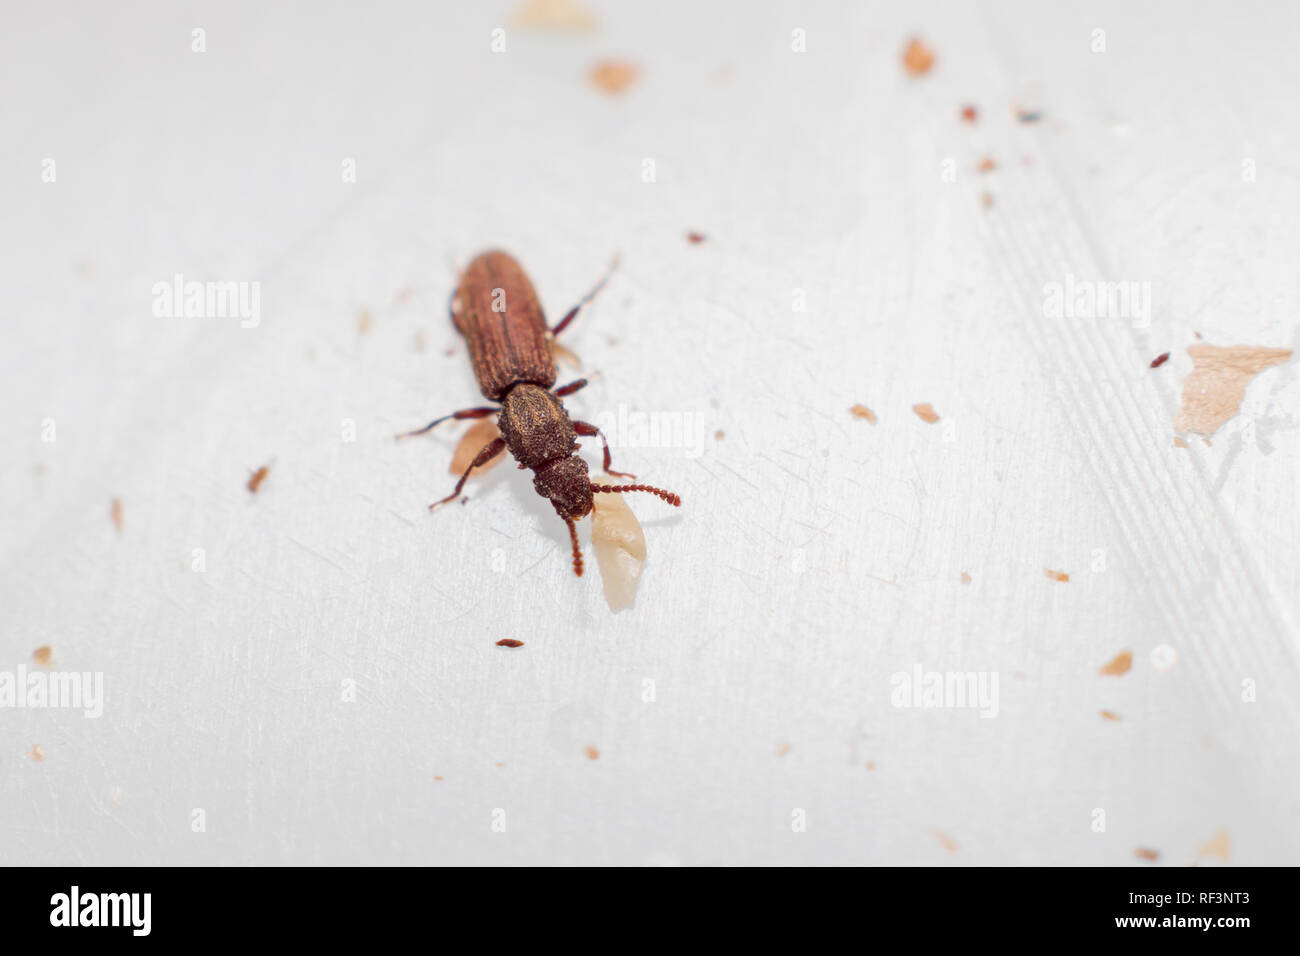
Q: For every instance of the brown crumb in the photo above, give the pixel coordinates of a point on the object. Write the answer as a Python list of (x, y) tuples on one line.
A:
[(115, 512), (782, 749), (1160, 360), (986, 200), (567, 16), (1142, 853), (256, 479), (592, 753), (1212, 393), (439, 779), (917, 57), (364, 322), (42, 655), (1060, 576), (969, 113), (987, 165), (1110, 715), (925, 411), (695, 238), (1217, 846), (965, 578), (509, 642), (861, 411), (947, 842), (613, 76), (36, 753), (871, 765), (1117, 666), (500, 764), (719, 434), (1180, 442)]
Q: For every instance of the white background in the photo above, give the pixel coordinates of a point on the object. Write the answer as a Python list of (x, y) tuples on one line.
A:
[(815, 556)]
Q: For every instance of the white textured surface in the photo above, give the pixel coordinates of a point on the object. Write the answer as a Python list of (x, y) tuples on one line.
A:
[(816, 555)]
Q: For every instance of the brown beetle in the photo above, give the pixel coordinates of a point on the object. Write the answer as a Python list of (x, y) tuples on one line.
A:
[(496, 308)]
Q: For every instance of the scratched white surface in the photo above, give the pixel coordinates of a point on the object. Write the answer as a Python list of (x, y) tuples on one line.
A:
[(816, 554)]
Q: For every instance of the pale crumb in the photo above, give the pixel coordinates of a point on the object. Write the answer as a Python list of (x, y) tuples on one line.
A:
[(115, 794), (42, 655), (871, 765), (945, 841), (986, 200), (1212, 393), (1142, 853), (861, 411), (1061, 576), (255, 480), (364, 322), (965, 578), (782, 749), (1217, 846), (561, 15), (987, 165), (1180, 442), (592, 753), (1118, 666), (115, 512), (36, 753), (473, 442), (613, 76), (917, 57), (419, 342), (565, 354), (1110, 715), (925, 411), (619, 543)]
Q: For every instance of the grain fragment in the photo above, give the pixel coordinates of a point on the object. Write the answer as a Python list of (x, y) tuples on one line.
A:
[(619, 544), (1142, 853), (1160, 360), (613, 76), (509, 642), (945, 841), (593, 753), (965, 578), (782, 749), (364, 322), (256, 479), (1212, 393), (969, 113), (565, 354), (917, 57), (1180, 442), (987, 165), (115, 512), (36, 753), (42, 655), (566, 16), (1119, 665), (695, 238), (986, 200), (861, 411), (473, 442), (925, 411), (1110, 715), (1060, 576), (1217, 846)]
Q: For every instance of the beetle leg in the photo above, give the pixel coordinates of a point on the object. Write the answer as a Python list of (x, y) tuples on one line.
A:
[(483, 412), (584, 428), (563, 323), (571, 388), (490, 451)]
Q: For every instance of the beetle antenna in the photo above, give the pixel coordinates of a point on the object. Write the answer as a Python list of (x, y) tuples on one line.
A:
[(577, 550), (668, 496)]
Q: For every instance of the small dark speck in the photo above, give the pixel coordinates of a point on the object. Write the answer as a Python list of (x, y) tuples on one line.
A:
[(1029, 116), (1160, 360), (695, 238), (509, 642)]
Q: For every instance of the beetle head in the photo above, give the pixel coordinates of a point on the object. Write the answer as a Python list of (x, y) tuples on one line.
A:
[(565, 481)]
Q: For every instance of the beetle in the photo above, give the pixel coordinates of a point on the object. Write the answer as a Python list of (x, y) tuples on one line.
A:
[(496, 309)]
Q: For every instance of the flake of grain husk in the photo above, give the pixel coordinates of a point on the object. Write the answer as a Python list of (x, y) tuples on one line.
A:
[(565, 354), (965, 578), (1180, 442), (1142, 853), (917, 57), (42, 655), (1117, 666), (947, 842), (1217, 846), (473, 442), (1110, 715), (1212, 393), (36, 753), (619, 544), (567, 16), (861, 411), (115, 511), (1062, 576), (925, 411), (592, 753), (613, 76)]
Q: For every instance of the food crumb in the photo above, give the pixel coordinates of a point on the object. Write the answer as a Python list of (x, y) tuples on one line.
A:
[(419, 342), (115, 512), (1061, 576), (1118, 666), (719, 434), (925, 411), (592, 753), (965, 578), (861, 411), (509, 642), (565, 353), (439, 779), (986, 200), (1213, 392), (871, 765), (969, 113), (782, 749), (1110, 715), (561, 15), (1217, 846), (478, 437), (1160, 360), (364, 322), (115, 794), (1142, 853), (256, 479), (917, 57), (987, 165), (36, 753), (613, 76), (947, 842), (1180, 442), (42, 655), (695, 238)]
